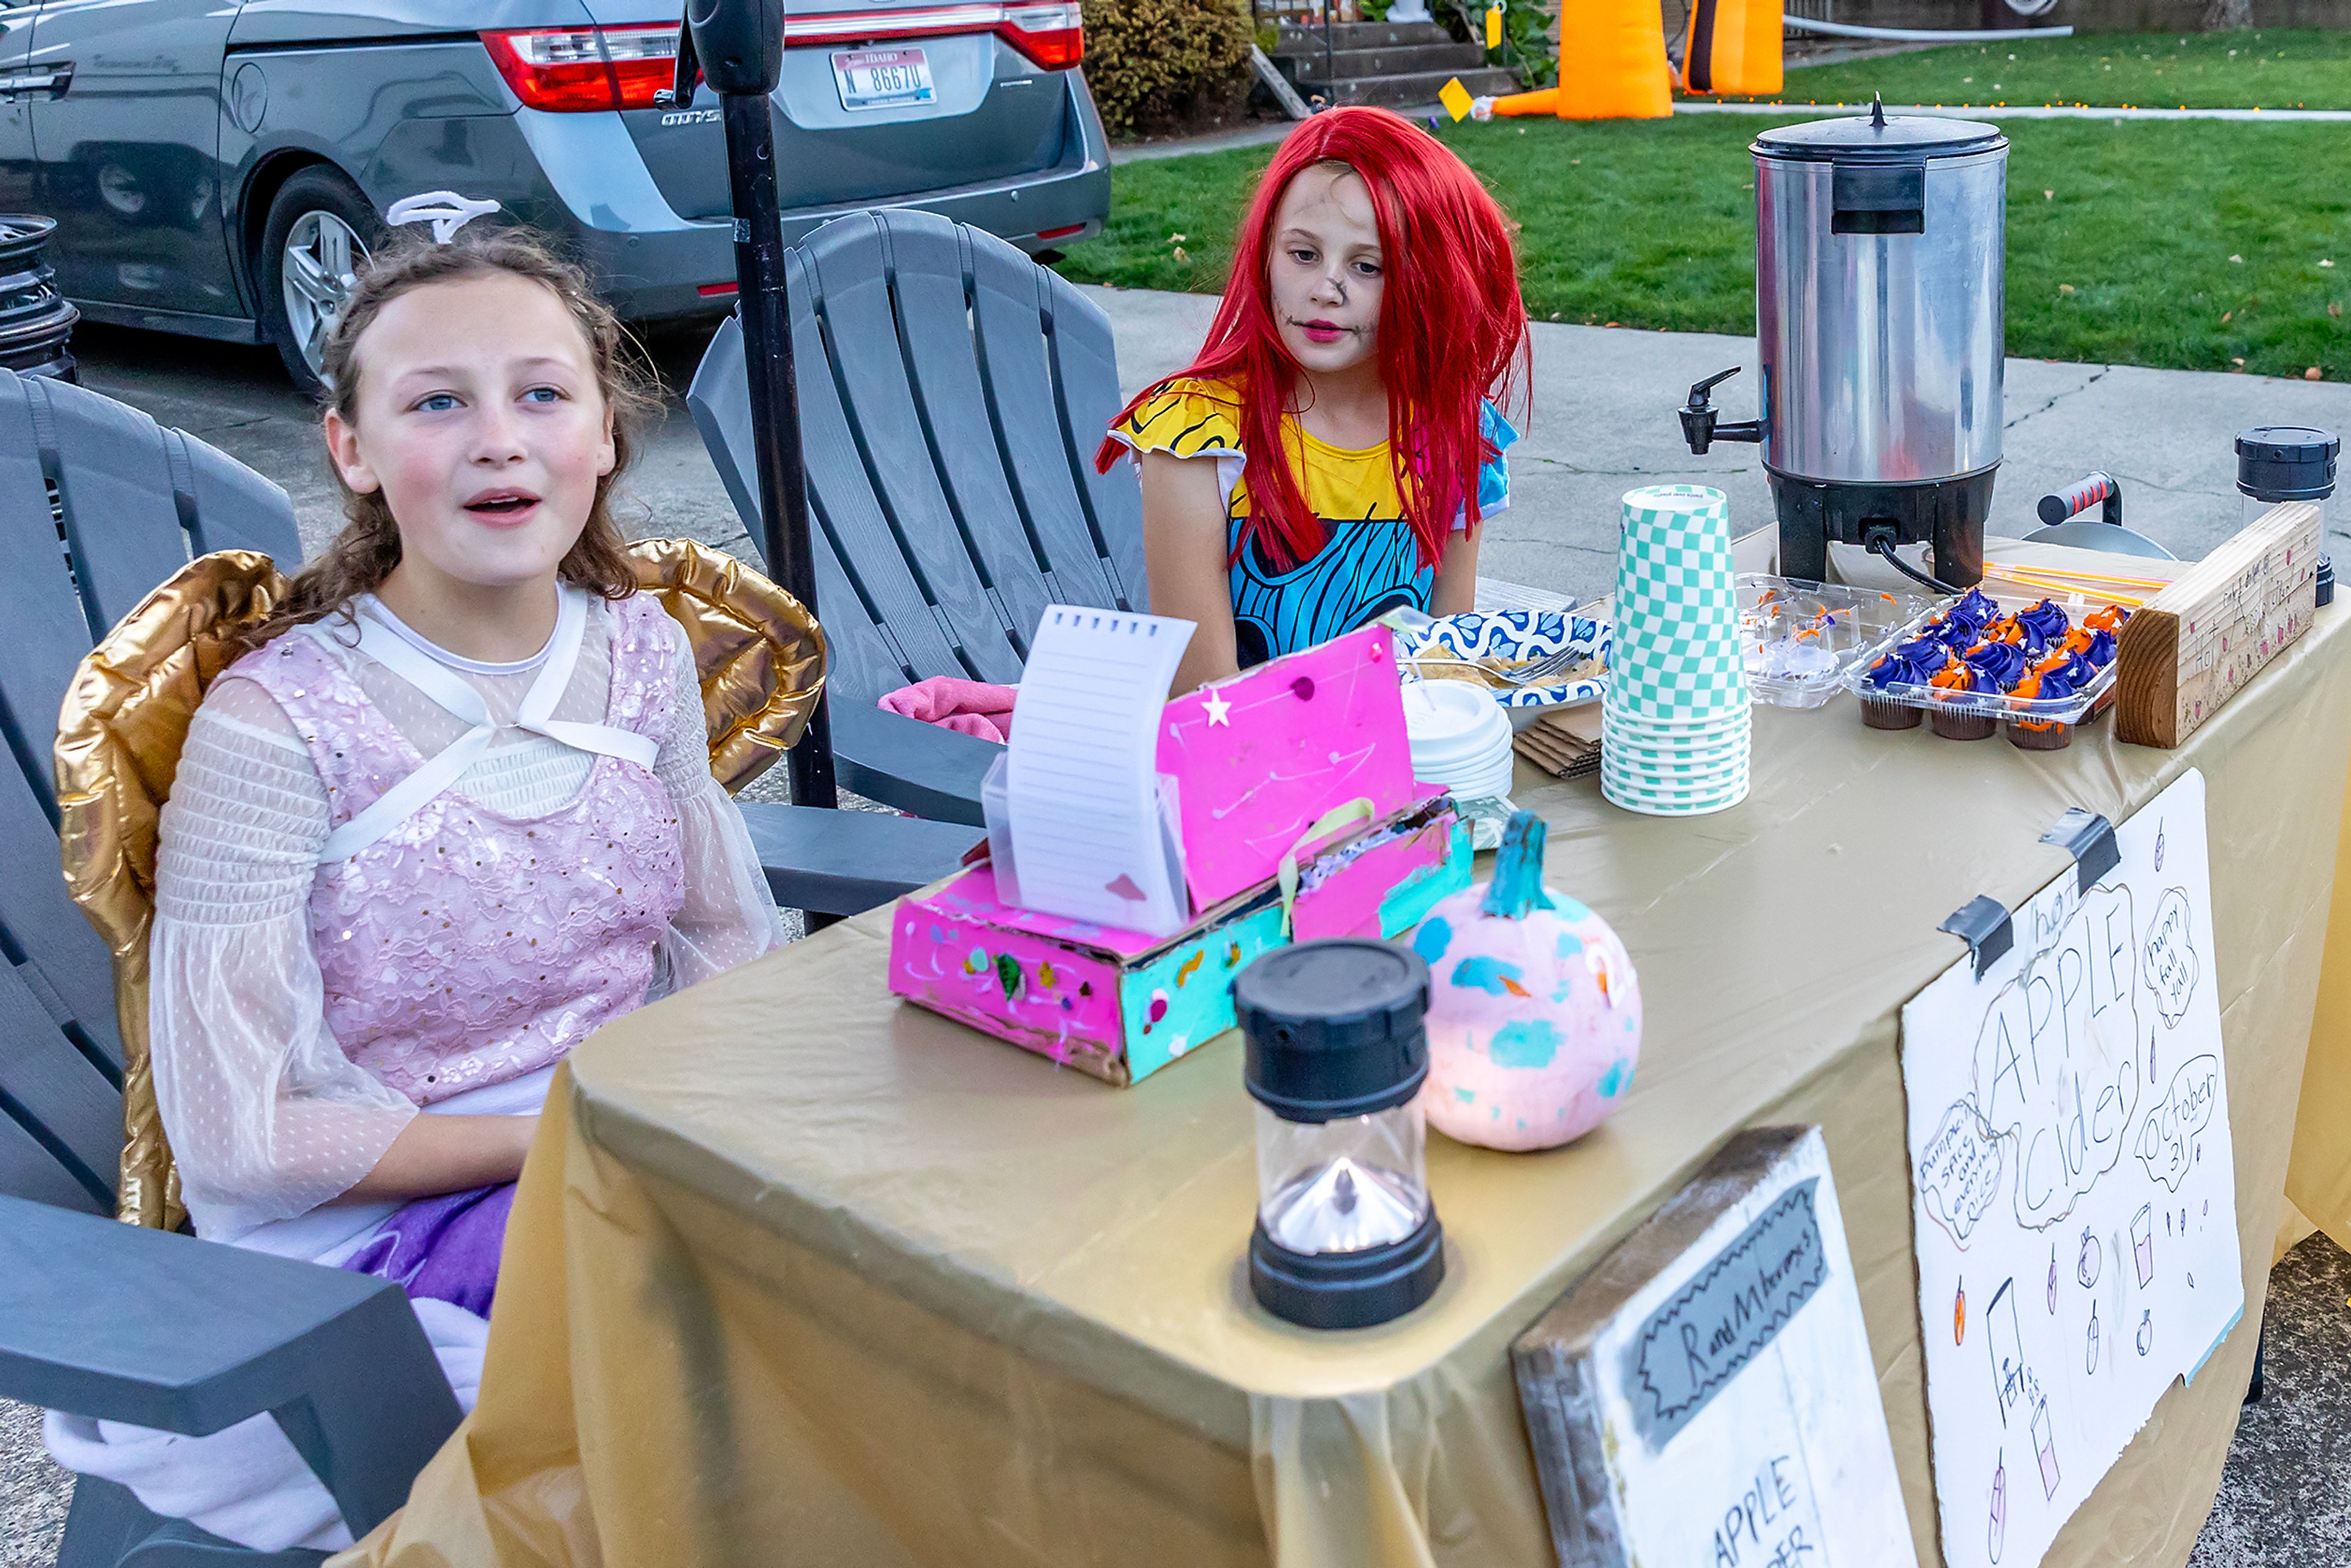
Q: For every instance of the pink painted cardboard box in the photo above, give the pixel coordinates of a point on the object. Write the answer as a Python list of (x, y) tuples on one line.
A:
[(1121, 1004)]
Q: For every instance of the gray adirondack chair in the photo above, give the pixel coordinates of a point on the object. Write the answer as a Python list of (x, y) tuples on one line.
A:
[(952, 393), (98, 505)]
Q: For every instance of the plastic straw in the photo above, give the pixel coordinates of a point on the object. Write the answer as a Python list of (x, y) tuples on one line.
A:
[(2028, 572)]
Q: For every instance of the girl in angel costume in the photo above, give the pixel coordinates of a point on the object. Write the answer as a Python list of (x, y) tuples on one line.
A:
[(451, 813)]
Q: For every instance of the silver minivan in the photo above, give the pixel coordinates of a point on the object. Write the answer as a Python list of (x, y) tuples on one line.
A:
[(216, 167)]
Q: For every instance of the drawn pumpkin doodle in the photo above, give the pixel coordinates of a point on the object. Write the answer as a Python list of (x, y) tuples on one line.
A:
[(2086, 1267)]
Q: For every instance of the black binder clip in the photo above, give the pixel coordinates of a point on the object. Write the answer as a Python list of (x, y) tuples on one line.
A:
[(2090, 840), (1982, 923)]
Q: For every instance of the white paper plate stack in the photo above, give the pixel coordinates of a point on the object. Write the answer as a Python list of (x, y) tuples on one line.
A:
[(1461, 738), (1676, 720)]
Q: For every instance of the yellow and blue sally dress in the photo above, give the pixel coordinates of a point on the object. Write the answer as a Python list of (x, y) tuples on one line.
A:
[(1368, 565)]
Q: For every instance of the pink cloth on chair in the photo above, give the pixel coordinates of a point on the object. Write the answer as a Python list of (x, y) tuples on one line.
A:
[(968, 707)]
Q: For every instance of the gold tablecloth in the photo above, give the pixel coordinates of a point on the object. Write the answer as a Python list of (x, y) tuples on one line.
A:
[(799, 1275)]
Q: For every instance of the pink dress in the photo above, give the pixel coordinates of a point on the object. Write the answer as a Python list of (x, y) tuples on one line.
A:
[(467, 946), (391, 880)]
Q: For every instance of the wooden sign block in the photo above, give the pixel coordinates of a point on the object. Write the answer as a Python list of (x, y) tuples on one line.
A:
[(1707, 1396), (2198, 642)]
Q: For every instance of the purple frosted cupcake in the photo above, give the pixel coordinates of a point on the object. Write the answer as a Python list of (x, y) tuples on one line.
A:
[(1912, 663)]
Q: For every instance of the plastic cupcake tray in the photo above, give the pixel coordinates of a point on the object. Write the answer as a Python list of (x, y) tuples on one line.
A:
[(2036, 723), (1801, 639)]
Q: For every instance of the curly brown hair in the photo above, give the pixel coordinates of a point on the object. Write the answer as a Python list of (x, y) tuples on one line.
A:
[(364, 553)]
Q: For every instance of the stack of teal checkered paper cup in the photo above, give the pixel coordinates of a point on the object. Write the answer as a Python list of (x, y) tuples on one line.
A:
[(1675, 723)]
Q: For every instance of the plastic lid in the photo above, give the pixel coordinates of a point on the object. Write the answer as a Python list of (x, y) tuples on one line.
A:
[(1447, 714), (2287, 462), (1878, 137), (2325, 581), (1335, 1027)]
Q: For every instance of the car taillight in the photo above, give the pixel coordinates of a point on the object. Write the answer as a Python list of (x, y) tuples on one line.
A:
[(577, 69), (644, 62), (1051, 35), (1048, 32)]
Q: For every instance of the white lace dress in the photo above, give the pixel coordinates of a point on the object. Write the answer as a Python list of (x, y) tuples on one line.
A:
[(270, 1119)]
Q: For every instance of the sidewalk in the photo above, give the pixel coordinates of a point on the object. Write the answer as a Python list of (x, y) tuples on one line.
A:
[(1604, 423)]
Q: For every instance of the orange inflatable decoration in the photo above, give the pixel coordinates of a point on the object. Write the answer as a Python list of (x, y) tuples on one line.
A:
[(1611, 60), (1733, 47), (1612, 65)]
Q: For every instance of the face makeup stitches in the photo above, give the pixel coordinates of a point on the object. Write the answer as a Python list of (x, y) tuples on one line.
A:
[(1326, 272)]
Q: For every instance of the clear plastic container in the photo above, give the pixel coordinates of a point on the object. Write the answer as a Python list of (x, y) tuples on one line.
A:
[(1801, 639), (2032, 723), (1345, 1185), (995, 811), (2251, 508)]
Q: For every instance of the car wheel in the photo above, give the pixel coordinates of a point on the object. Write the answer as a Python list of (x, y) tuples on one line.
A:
[(315, 240)]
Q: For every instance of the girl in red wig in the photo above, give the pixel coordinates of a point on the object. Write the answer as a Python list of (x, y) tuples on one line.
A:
[(1330, 452)]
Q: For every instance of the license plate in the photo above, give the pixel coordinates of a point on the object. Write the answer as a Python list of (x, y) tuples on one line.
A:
[(882, 78)]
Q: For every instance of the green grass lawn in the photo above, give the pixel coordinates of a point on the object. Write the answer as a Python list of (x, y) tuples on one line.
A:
[(2120, 236), (2266, 69)]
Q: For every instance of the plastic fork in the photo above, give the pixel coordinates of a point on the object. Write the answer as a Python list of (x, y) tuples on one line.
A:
[(1542, 669)]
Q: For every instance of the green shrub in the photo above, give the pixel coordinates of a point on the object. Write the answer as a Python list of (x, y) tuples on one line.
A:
[(1528, 50), (1160, 64)]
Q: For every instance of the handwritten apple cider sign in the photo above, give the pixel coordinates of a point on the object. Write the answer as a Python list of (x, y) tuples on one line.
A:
[(1706, 1396), (2073, 1184)]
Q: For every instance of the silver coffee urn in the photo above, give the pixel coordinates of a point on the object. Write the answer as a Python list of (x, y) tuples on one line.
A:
[(1879, 322)]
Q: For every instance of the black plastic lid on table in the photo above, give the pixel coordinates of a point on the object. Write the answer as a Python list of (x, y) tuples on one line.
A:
[(1878, 137), (1335, 1027), (2287, 462)]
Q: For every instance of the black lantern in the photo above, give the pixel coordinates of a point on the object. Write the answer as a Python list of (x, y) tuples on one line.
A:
[(1345, 1235)]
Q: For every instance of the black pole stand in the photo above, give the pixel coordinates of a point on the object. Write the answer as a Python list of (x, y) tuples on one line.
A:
[(739, 46)]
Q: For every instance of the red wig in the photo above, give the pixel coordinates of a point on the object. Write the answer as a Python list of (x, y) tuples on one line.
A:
[(1453, 329)]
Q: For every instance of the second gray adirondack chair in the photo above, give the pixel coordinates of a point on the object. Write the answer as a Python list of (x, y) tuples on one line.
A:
[(952, 393)]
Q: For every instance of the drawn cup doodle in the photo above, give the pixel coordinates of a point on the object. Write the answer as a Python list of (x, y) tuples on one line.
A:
[(2086, 1266), (2045, 1443), (1958, 1175), (2143, 1243), (2171, 957), (2005, 1342), (2167, 1139), (2055, 1073)]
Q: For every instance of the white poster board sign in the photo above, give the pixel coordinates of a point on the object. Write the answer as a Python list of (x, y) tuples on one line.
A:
[(1705, 1398), (2073, 1186)]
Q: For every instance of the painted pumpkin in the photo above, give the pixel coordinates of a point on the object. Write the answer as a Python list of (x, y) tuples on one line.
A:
[(1534, 1015)]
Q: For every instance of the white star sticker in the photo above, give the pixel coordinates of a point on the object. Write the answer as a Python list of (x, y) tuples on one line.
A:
[(1218, 708)]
